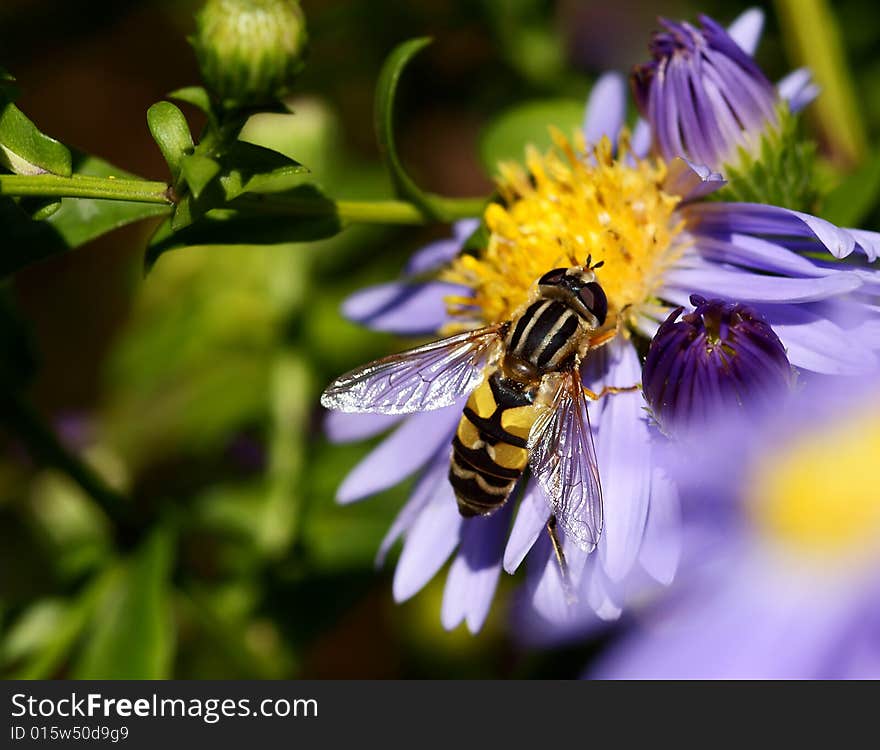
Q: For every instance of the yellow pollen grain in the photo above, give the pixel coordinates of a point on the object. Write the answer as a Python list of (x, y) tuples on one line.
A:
[(557, 209), (819, 495)]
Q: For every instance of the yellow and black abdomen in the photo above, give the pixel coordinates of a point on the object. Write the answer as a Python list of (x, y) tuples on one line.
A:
[(489, 451)]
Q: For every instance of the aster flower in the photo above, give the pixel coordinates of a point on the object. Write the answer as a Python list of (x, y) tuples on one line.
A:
[(705, 97), (783, 573), (659, 246)]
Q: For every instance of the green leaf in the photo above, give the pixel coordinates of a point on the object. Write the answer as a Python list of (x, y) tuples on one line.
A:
[(198, 171), (171, 133), (854, 198), (76, 222), (505, 139), (249, 168), (132, 635), (386, 93), (25, 150), (195, 95), (303, 214), (42, 652), (242, 168)]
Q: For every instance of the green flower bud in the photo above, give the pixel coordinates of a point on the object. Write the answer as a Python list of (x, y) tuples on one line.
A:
[(250, 51)]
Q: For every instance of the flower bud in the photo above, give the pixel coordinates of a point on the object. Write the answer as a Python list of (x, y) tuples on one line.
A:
[(722, 355), (704, 96), (250, 51)]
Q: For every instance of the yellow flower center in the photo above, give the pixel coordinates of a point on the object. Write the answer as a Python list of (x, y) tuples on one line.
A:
[(561, 207), (820, 496)]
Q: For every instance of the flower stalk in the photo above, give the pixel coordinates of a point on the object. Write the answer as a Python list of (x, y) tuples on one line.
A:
[(145, 191)]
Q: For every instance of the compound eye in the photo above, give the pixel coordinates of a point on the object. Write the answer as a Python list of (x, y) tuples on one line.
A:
[(552, 278), (594, 299)]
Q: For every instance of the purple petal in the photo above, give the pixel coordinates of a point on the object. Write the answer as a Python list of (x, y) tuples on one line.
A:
[(746, 29), (439, 253), (399, 455), (432, 256), (549, 598), (429, 543), (474, 573), (342, 427), (661, 544), (798, 89), (597, 588), (691, 181), (398, 307), (868, 243), (429, 483), (641, 138), (606, 108), (760, 219), (813, 342), (754, 623), (754, 252), (531, 518), (743, 286), (623, 449)]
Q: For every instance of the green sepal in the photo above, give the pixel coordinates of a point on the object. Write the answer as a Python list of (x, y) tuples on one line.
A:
[(780, 171)]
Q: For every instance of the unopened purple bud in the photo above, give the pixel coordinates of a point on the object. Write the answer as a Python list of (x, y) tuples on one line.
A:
[(702, 94), (721, 355)]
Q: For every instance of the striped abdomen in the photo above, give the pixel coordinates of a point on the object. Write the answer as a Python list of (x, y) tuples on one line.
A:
[(489, 449)]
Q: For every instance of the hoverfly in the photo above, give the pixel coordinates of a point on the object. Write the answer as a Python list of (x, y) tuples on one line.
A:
[(527, 405)]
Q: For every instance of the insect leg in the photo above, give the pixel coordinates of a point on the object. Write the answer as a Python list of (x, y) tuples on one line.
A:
[(567, 587), (610, 390)]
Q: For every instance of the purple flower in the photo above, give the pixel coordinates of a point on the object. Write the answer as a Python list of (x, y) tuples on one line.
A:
[(705, 97), (722, 355), (660, 244), (781, 577)]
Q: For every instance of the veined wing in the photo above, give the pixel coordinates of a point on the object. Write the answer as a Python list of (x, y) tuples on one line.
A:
[(563, 460), (421, 379)]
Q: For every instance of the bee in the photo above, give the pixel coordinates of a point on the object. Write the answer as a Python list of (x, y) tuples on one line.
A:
[(526, 404)]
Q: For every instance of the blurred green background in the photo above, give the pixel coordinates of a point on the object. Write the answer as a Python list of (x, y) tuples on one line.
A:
[(195, 389)]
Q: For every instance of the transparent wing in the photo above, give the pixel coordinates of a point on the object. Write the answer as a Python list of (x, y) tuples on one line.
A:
[(562, 457), (421, 379)]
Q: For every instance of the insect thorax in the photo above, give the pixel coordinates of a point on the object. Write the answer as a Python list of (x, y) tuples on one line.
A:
[(544, 338)]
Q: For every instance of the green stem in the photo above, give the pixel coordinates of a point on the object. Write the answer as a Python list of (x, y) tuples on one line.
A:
[(143, 191), (84, 186), (44, 446), (363, 212)]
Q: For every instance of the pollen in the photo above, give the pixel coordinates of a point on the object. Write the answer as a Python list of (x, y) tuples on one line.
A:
[(818, 496), (558, 209)]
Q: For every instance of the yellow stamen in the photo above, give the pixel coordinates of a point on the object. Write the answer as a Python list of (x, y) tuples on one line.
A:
[(819, 495), (561, 207)]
